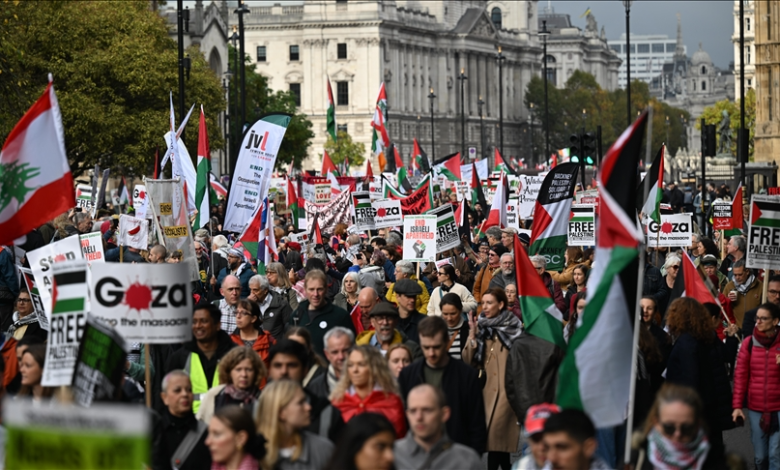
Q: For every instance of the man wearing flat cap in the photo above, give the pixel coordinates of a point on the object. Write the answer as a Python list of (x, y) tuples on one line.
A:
[(406, 293), (384, 320)]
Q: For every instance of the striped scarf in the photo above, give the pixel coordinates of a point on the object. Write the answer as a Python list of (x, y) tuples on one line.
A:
[(665, 454)]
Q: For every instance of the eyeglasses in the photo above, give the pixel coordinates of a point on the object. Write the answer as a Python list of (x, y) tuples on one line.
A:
[(673, 267), (686, 429), (24, 301), (492, 254), (243, 313), (773, 292), (763, 319)]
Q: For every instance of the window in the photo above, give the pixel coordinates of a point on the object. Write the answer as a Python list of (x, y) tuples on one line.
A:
[(703, 70), (616, 48), (658, 47), (643, 48), (750, 82), (703, 86), (747, 24), (747, 55), (551, 76), (341, 128), (342, 93), (342, 50), (694, 85), (632, 48), (295, 88), (495, 17), (261, 54), (294, 54), (671, 47)]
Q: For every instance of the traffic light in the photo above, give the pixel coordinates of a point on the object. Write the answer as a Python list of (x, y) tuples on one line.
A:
[(574, 149), (589, 148)]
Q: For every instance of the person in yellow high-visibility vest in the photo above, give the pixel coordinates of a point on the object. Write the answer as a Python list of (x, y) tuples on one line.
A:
[(199, 358)]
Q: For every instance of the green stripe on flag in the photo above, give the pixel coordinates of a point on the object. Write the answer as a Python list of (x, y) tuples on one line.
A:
[(68, 305), (581, 219), (539, 322), (767, 223)]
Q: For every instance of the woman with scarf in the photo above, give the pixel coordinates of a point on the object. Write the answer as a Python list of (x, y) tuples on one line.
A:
[(241, 372), (579, 283), (487, 348), (674, 434), (757, 376), (485, 274), (448, 283)]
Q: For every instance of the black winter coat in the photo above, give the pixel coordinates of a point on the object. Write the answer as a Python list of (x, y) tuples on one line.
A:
[(408, 326), (168, 434), (467, 424), (277, 315), (179, 359), (531, 373)]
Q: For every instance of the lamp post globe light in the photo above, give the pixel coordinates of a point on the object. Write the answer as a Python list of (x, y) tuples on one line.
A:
[(543, 33), (431, 97)]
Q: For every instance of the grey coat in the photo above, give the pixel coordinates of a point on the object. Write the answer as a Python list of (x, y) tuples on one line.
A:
[(315, 456)]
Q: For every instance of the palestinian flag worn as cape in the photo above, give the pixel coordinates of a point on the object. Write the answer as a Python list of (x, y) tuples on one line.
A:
[(595, 374), (202, 190), (331, 113), (651, 207), (550, 229), (35, 180), (448, 167), (541, 318)]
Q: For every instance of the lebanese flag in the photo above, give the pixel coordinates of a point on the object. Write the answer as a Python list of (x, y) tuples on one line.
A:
[(550, 230), (35, 180), (448, 167), (497, 215), (327, 165), (595, 375), (541, 318)]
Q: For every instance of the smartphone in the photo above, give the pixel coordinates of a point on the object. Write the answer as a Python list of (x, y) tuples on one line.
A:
[(740, 421)]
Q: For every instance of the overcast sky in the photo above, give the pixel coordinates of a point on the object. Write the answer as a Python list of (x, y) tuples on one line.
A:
[(711, 23)]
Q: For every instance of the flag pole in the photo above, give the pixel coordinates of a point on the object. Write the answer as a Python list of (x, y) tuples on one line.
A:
[(120, 253), (766, 287), (722, 244), (148, 376), (638, 308)]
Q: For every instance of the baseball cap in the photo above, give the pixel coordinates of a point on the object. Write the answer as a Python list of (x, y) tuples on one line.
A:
[(536, 417)]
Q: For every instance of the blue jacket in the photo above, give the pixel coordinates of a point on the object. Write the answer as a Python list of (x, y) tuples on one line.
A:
[(8, 277), (243, 276), (390, 271)]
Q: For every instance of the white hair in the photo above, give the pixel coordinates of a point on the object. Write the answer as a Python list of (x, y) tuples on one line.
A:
[(174, 373), (355, 277), (260, 279), (338, 332), (540, 260)]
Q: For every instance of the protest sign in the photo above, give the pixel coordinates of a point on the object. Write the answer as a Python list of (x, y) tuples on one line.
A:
[(387, 213), (166, 202), (512, 212), (331, 214), (446, 228), (364, 212), (443, 262), (42, 259), (68, 317), (375, 188), (721, 216), (255, 164), (147, 303), (133, 232), (316, 189), (35, 297), (84, 197), (528, 191), (100, 364), (92, 247), (140, 201), (60, 437), (675, 230), (420, 238), (419, 202), (463, 190), (764, 234), (482, 169), (302, 239), (582, 225), (466, 172)]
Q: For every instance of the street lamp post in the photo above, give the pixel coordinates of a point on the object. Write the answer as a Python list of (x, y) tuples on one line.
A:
[(236, 132), (544, 33), (667, 131), (462, 77), (431, 97), (531, 133), (627, 4), (500, 58), (241, 11), (226, 86), (180, 35), (481, 103)]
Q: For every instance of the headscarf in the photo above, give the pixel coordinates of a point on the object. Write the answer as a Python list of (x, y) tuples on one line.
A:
[(505, 325)]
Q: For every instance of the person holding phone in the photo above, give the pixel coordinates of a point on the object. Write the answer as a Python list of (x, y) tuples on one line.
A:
[(757, 376)]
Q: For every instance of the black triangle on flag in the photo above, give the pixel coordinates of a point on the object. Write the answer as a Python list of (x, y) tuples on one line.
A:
[(390, 159), (653, 175)]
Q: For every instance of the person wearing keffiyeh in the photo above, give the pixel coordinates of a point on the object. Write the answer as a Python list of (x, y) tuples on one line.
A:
[(487, 349)]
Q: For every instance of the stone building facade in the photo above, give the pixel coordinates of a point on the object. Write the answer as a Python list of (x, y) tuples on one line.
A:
[(750, 47), (767, 44)]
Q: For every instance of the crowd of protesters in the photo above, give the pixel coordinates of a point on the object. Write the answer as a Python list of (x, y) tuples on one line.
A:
[(344, 355)]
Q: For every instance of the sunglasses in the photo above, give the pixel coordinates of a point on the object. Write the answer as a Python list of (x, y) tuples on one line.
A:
[(686, 429), (442, 274), (673, 267)]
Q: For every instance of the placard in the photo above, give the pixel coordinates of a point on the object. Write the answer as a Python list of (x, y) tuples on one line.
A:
[(420, 238), (675, 230), (582, 225), (721, 216), (84, 197), (512, 213), (42, 259), (301, 239), (68, 318), (364, 212), (387, 213), (446, 229), (140, 201), (35, 297), (528, 191), (146, 303), (70, 437), (764, 234), (92, 247), (100, 364)]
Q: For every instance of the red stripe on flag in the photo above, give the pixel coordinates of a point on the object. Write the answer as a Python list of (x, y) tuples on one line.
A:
[(56, 197), (15, 138)]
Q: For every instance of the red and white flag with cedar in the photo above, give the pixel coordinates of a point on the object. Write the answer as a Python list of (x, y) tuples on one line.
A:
[(35, 180)]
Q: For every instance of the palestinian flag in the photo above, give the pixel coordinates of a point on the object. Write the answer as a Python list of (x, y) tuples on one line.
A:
[(202, 192), (254, 232), (550, 230), (737, 224), (448, 167), (315, 235), (462, 219), (354, 315), (331, 118), (541, 318), (296, 209), (419, 202), (402, 174), (68, 290), (497, 215), (35, 180), (122, 195), (345, 166), (499, 161), (380, 139), (651, 207), (218, 191), (419, 158), (765, 213), (477, 194), (595, 375), (369, 172), (327, 165), (693, 283)]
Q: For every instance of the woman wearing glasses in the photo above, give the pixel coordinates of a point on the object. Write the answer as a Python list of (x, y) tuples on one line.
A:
[(25, 321), (448, 284), (672, 268), (674, 434), (757, 376)]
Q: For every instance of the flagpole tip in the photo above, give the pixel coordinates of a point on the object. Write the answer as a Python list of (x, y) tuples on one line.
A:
[(51, 78)]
